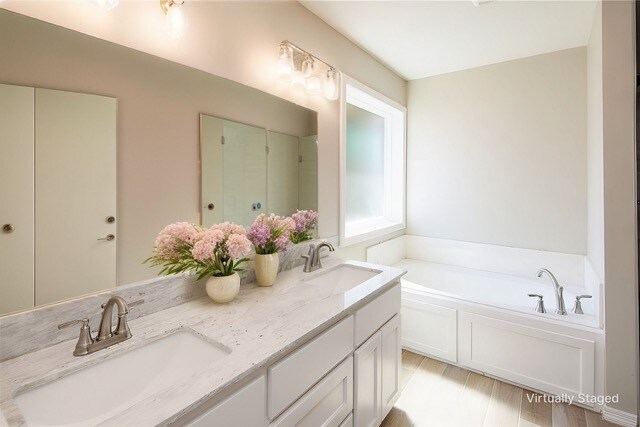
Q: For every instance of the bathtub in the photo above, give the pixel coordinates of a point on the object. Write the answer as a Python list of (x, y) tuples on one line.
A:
[(495, 290), (467, 304)]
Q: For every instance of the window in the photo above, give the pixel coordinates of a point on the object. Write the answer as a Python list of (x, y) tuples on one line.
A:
[(372, 156)]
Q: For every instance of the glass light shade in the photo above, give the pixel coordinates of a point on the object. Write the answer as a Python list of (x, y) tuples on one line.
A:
[(314, 85), (298, 80), (177, 20), (285, 62), (307, 66), (331, 85), (106, 4)]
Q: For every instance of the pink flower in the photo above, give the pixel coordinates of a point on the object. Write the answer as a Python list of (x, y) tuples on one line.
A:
[(305, 221), (229, 228), (238, 245), (173, 237), (204, 249), (270, 234)]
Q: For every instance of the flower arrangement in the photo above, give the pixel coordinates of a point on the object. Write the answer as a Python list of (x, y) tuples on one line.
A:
[(270, 234), (217, 251), (305, 221)]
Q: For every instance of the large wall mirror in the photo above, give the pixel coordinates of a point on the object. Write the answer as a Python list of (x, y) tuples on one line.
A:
[(249, 170), (103, 145)]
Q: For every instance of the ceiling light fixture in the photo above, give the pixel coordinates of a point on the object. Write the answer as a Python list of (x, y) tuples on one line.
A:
[(299, 66), (174, 10)]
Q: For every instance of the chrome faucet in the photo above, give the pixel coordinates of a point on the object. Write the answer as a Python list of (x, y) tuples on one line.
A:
[(312, 259), (106, 336), (560, 309)]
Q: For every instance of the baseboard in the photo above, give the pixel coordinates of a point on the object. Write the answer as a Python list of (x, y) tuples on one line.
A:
[(617, 416)]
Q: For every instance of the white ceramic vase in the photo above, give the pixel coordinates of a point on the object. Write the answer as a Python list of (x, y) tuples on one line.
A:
[(266, 268), (223, 289)]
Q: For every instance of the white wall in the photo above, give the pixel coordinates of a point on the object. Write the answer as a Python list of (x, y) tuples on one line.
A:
[(497, 154), (620, 234), (235, 40), (595, 185)]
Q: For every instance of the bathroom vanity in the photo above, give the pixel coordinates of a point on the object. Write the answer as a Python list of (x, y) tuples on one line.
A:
[(318, 348)]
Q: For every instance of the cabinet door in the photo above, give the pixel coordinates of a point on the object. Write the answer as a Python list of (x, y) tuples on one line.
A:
[(75, 158), (391, 363), (368, 388), (244, 408), (16, 198), (326, 404)]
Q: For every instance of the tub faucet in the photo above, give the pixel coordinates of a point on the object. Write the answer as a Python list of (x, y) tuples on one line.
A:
[(560, 309), (312, 259)]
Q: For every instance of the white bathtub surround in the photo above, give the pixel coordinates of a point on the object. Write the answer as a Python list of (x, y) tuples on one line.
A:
[(617, 416), (32, 330), (467, 304), (224, 288), (259, 326)]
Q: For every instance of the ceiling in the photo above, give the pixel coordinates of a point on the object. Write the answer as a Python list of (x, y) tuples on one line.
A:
[(418, 39)]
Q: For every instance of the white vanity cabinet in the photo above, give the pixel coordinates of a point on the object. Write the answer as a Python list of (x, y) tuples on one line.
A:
[(327, 381), (377, 365)]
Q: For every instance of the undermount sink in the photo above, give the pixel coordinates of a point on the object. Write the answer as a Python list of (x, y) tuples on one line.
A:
[(342, 277), (100, 391)]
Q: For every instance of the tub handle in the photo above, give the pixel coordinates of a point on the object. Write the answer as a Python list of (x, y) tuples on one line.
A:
[(540, 304), (577, 307)]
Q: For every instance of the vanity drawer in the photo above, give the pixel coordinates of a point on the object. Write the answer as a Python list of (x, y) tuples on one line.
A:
[(232, 411), (371, 317), (289, 378), (327, 404)]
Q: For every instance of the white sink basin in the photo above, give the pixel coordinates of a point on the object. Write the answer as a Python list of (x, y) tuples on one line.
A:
[(343, 277), (100, 391)]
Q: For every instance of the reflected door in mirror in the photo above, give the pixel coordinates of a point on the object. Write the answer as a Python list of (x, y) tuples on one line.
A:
[(248, 170), (75, 194), (60, 194), (16, 192)]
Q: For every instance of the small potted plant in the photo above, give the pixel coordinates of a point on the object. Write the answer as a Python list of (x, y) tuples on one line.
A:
[(215, 253), (269, 235), (305, 221)]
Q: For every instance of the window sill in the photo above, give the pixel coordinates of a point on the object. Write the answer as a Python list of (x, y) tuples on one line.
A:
[(362, 234)]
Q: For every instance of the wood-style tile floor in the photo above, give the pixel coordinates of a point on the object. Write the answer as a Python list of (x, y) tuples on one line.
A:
[(437, 394)]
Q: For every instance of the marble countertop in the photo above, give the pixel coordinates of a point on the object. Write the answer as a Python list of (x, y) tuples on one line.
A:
[(259, 326)]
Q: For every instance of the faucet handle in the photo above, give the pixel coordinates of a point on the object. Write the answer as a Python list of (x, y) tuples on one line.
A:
[(129, 304), (84, 340), (577, 307), (540, 304), (134, 303), (85, 323)]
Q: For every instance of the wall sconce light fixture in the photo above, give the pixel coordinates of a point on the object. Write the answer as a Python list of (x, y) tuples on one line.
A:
[(300, 68), (174, 10)]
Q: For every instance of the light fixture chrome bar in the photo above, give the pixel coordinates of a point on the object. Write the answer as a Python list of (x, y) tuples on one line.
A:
[(304, 52)]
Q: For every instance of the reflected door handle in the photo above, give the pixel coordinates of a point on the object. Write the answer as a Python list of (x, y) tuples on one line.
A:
[(108, 237)]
